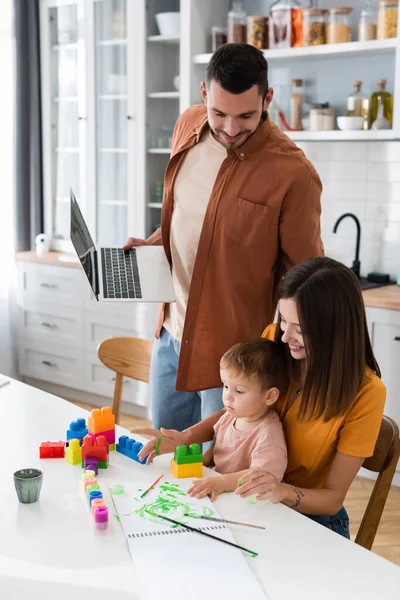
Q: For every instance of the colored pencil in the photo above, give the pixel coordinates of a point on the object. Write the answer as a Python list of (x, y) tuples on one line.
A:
[(232, 522), (151, 487), (214, 537)]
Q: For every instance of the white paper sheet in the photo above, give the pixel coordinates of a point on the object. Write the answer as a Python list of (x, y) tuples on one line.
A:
[(174, 563)]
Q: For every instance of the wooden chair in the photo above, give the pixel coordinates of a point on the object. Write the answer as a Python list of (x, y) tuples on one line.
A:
[(384, 462), (128, 357)]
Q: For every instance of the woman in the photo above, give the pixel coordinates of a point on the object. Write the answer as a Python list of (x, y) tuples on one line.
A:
[(333, 409)]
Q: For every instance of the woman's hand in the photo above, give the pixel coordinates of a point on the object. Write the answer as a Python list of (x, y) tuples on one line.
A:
[(263, 484), (163, 442), (208, 486)]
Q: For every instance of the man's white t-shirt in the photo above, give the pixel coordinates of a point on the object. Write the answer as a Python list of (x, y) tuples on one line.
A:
[(192, 191)]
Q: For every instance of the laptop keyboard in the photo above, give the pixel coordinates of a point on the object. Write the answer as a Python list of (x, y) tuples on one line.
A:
[(121, 273)]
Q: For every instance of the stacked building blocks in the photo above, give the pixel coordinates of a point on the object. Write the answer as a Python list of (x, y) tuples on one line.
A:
[(77, 430), (73, 454), (130, 448), (102, 422), (95, 448), (187, 462), (51, 450), (95, 500), (91, 463)]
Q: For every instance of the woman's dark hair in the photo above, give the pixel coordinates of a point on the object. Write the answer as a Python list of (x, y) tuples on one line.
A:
[(334, 328), (237, 68)]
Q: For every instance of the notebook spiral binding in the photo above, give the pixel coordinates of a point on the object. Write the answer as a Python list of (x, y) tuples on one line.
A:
[(174, 531)]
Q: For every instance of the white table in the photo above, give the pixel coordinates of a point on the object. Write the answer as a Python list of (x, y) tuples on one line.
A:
[(51, 550)]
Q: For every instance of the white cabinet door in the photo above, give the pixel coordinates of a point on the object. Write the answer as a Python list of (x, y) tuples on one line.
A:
[(51, 324), (48, 362), (56, 286)]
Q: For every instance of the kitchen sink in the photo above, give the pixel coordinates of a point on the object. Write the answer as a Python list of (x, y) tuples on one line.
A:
[(369, 285)]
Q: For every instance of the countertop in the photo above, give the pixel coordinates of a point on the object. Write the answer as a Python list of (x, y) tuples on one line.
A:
[(383, 297)]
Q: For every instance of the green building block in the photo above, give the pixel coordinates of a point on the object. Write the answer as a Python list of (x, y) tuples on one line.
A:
[(186, 455), (102, 464)]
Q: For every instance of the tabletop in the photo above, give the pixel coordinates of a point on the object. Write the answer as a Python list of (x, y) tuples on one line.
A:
[(51, 549)]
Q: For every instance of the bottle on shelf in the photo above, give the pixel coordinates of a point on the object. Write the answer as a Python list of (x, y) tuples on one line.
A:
[(285, 24), (381, 121), (296, 122), (387, 19), (237, 24), (358, 104), (368, 24), (386, 100)]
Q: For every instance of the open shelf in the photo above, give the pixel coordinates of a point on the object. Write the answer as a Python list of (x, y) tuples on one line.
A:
[(159, 150), (113, 97), (164, 39), (164, 95), (345, 136), (61, 47), (154, 205), (313, 52)]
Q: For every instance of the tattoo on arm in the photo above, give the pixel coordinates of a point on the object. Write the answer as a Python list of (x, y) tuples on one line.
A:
[(299, 496)]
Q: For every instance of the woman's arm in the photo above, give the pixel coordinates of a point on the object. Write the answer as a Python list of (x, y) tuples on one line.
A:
[(325, 501)]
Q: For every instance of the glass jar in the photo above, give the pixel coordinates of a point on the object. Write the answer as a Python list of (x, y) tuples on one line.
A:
[(257, 32), (218, 37), (314, 26), (237, 24), (296, 122), (387, 19), (286, 25), (338, 30), (367, 26)]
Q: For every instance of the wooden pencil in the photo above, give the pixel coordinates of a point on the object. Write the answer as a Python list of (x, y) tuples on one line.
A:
[(231, 522)]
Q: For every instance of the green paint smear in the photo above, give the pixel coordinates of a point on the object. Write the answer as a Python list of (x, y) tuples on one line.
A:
[(252, 499), (117, 490), (116, 517), (157, 446)]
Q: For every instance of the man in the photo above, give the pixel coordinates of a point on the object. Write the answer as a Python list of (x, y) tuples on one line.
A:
[(241, 206)]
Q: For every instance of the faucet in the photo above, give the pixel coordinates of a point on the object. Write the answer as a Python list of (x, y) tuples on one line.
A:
[(356, 262)]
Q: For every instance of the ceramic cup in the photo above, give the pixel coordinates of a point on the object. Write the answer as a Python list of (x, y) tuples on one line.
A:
[(28, 483)]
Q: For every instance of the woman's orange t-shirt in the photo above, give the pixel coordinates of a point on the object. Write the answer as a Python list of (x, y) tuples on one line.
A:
[(312, 445)]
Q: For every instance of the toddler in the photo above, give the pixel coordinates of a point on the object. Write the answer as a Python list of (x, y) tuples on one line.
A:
[(249, 434)]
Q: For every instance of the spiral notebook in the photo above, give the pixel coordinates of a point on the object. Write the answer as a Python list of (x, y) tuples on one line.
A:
[(173, 562)]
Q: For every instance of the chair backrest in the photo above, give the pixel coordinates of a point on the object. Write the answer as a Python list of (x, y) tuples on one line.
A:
[(128, 357), (383, 461)]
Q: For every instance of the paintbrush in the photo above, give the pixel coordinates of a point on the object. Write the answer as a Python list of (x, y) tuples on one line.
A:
[(151, 487), (214, 537), (232, 522)]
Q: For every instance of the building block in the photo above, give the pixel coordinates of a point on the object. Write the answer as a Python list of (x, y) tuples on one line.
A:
[(104, 464), (77, 430), (190, 470), (109, 435), (92, 464), (74, 453), (94, 495), (185, 455), (97, 502), (51, 450), (97, 448), (112, 447), (101, 420), (100, 517), (130, 448), (88, 481), (93, 487)]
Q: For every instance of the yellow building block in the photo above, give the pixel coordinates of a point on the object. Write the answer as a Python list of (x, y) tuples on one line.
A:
[(190, 470), (101, 420), (73, 453)]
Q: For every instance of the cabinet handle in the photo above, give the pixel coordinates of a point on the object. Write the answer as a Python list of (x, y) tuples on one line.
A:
[(397, 338), (48, 363), (49, 286), (49, 325), (130, 117), (125, 381)]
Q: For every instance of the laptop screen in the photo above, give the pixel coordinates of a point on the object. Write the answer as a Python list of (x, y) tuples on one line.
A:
[(82, 241)]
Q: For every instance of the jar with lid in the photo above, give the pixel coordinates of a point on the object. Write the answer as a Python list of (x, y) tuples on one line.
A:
[(367, 26), (338, 30), (257, 32), (286, 25), (218, 37), (387, 19), (314, 26), (237, 24), (297, 101)]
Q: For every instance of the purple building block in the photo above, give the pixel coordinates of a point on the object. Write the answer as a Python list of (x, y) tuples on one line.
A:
[(92, 464), (109, 435)]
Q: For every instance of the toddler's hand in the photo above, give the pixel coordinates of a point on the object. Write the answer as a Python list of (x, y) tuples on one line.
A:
[(208, 486), (163, 442)]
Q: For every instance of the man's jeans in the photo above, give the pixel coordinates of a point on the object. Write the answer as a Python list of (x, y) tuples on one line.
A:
[(172, 409)]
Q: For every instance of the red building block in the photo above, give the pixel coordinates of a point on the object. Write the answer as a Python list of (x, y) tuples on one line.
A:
[(51, 450), (97, 448)]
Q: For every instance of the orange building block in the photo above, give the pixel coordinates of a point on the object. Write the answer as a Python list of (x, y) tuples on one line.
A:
[(97, 448), (101, 420)]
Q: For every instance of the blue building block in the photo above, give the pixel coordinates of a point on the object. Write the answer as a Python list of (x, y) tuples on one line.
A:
[(77, 430), (130, 448)]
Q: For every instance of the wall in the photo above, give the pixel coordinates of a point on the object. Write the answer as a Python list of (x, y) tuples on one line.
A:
[(362, 178)]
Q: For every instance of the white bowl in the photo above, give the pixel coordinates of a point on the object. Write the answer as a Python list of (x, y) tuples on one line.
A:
[(350, 123), (169, 23)]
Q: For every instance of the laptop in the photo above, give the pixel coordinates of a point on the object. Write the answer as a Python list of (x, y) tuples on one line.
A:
[(141, 274)]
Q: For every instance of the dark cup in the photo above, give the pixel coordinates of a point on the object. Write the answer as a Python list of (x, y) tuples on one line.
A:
[(28, 483)]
